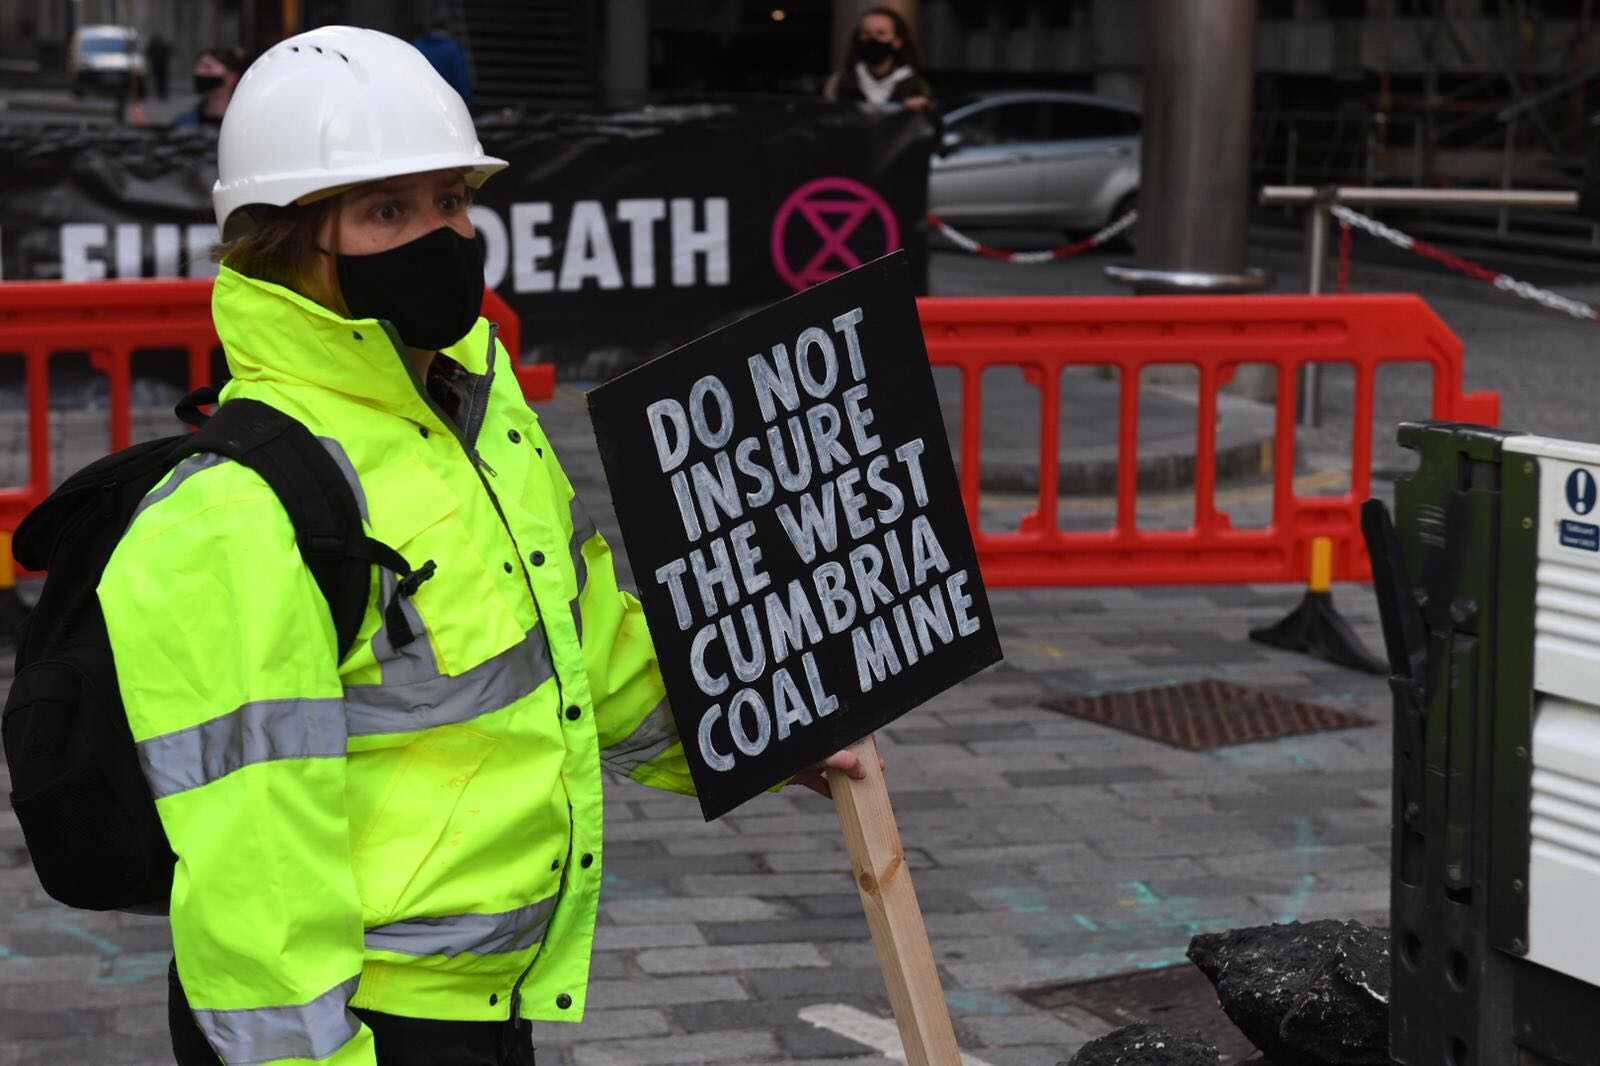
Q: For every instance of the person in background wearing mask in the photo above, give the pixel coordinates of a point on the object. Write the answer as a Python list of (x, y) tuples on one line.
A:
[(394, 859), (216, 75), (882, 66)]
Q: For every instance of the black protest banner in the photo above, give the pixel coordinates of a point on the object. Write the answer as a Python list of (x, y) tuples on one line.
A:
[(790, 508), (603, 227)]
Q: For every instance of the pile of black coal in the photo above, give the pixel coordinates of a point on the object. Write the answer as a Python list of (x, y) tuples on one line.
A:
[(1146, 1045), (1306, 994)]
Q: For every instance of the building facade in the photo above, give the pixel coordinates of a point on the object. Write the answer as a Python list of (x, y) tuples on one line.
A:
[(1381, 89)]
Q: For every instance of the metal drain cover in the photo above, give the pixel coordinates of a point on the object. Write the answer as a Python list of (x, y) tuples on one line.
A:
[(1178, 997), (1200, 715)]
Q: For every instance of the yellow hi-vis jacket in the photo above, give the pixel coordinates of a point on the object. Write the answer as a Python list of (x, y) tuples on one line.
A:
[(415, 831)]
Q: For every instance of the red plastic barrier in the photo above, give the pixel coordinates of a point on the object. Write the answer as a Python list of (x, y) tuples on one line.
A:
[(538, 380), (113, 319), (1215, 335)]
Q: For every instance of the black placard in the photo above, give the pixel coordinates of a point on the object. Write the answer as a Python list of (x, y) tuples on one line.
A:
[(791, 511)]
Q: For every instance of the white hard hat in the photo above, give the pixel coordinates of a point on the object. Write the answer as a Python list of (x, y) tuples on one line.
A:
[(335, 107)]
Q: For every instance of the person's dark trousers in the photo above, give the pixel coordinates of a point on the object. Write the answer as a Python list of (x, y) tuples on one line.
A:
[(400, 1041)]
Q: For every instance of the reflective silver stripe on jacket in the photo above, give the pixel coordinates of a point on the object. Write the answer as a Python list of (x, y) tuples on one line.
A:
[(413, 693), (262, 731), (465, 934), (649, 739), (313, 1030), (186, 469), (444, 700), (415, 661), (337, 453)]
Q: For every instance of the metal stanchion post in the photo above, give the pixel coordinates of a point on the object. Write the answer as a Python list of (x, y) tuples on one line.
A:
[(1316, 245), (1316, 260), (1289, 163), (1194, 201)]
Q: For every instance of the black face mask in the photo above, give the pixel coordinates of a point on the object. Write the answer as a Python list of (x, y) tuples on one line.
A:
[(431, 289), (874, 51), (204, 83)]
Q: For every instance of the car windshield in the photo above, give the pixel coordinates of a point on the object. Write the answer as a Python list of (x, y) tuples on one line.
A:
[(1019, 120), (107, 45), (956, 103)]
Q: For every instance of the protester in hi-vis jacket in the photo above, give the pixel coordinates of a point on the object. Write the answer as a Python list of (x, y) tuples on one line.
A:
[(395, 858)]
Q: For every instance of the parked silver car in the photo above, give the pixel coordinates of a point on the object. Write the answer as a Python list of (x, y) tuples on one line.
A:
[(1062, 160)]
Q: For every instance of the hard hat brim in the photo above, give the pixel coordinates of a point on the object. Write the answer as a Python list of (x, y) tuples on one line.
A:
[(288, 187)]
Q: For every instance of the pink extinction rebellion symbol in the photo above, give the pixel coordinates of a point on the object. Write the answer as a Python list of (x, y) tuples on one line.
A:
[(834, 208)]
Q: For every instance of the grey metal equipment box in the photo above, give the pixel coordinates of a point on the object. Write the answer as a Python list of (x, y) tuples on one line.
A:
[(1490, 600)]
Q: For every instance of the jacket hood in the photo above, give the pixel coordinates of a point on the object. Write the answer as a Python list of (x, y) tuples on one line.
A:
[(274, 335)]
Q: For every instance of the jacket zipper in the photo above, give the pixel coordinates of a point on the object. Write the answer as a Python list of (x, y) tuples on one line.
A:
[(476, 460), (478, 466)]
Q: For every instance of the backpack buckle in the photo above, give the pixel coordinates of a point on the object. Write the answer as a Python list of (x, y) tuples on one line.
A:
[(411, 582)]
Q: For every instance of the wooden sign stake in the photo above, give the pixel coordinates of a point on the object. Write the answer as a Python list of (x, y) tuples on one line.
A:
[(879, 864)]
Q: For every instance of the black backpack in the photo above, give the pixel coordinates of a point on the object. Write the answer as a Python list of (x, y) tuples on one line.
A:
[(86, 812)]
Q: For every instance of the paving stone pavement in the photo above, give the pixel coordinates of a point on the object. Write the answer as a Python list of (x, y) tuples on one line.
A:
[(1042, 848)]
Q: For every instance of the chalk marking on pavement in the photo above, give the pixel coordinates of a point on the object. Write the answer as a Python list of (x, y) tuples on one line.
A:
[(1305, 841), (1078, 947), (134, 968), (1048, 650), (67, 925), (980, 1001), (880, 1034)]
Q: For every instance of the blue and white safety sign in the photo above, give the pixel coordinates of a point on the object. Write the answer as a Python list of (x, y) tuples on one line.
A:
[(1581, 491)]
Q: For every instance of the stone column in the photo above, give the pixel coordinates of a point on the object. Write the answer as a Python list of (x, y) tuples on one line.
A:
[(1194, 198)]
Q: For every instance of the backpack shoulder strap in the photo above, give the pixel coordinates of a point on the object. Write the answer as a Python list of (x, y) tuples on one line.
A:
[(313, 491)]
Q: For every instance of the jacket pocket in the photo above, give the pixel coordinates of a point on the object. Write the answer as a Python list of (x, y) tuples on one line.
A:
[(405, 500), (465, 613), (404, 812)]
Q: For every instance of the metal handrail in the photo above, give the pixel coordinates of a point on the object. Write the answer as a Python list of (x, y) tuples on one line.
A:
[(1321, 198), (1273, 195)]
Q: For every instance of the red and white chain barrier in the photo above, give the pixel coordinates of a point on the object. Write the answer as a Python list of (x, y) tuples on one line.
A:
[(1503, 282), (1065, 251), (1348, 219)]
